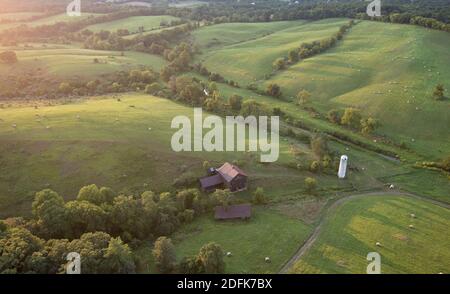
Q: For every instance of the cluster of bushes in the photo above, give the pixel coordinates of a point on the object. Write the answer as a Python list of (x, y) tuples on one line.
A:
[(191, 91), (444, 164), (23, 252), (208, 260), (8, 57), (37, 84), (33, 83), (98, 225), (133, 218), (155, 43), (136, 79), (307, 50), (439, 92), (179, 57), (352, 118), (212, 76)]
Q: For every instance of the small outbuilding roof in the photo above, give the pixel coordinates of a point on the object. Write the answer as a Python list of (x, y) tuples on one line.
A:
[(211, 181), (242, 211), (229, 171)]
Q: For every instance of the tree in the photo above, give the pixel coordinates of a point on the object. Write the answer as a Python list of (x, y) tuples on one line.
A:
[(319, 145), (311, 185), (251, 107), (235, 102), (211, 257), (334, 116), (48, 208), (16, 250), (315, 166), (118, 258), (65, 88), (438, 93), (279, 64), (368, 125), (303, 96), (90, 193), (259, 197), (190, 266), (273, 90), (223, 197), (83, 217), (351, 118), (293, 56), (153, 88), (186, 198), (8, 57), (164, 254)]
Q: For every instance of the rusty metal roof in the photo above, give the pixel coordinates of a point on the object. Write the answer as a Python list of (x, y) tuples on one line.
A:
[(233, 211), (211, 181), (229, 171)]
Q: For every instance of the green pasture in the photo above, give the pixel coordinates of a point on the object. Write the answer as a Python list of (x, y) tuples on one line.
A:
[(353, 229)]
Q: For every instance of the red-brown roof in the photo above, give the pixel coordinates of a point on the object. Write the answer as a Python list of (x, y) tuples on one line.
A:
[(242, 211), (230, 171)]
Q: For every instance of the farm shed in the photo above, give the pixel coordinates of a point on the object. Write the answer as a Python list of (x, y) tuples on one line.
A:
[(243, 211), (228, 176)]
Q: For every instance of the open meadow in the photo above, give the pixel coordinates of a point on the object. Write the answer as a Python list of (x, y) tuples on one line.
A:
[(407, 244)]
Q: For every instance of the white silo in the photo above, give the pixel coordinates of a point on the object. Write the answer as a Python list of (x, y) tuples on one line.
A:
[(343, 167)]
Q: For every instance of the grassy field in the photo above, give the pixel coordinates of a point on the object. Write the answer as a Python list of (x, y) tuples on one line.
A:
[(69, 61), (266, 234), (250, 58), (352, 231), (63, 17), (132, 24), (389, 71), (112, 147)]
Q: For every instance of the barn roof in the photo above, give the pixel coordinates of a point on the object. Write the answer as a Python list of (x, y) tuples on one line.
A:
[(235, 211), (211, 181), (229, 171)]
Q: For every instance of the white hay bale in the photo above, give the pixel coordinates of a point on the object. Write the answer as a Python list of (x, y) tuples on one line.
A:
[(267, 259), (411, 226), (229, 254), (413, 215), (47, 127), (14, 125), (391, 186), (378, 244)]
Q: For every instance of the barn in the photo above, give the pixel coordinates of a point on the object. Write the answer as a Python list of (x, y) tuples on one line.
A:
[(243, 211), (228, 176)]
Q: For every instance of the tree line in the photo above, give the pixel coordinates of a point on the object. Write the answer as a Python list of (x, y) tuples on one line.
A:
[(307, 50), (102, 226)]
